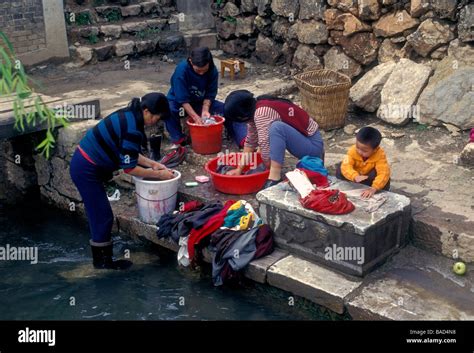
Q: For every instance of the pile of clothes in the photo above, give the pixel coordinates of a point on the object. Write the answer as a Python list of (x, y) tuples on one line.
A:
[(234, 230), (310, 172)]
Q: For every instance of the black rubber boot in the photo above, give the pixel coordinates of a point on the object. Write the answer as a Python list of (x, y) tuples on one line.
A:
[(155, 146), (103, 259)]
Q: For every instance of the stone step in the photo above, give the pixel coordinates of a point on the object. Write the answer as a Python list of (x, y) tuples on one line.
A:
[(412, 285), (168, 42), (130, 29)]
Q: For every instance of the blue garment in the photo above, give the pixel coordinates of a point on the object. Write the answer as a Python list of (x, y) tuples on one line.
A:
[(285, 137), (187, 86), (89, 179), (115, 142), (314, 164)]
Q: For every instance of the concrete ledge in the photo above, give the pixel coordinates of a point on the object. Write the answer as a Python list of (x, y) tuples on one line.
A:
[(311, 281), (257, 269), (414, 285)]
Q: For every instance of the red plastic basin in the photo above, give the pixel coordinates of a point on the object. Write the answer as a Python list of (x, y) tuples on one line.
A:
[(206, 139), (236, 185)]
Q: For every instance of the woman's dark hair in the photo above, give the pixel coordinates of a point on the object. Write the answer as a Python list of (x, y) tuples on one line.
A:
[(201, 57), (156, 103), (240, 106)]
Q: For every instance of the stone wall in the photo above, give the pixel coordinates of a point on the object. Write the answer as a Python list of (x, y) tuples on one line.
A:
[(345, 35), (53, 179), (17, 168), (100, 30), (35, 27), (23, 23)]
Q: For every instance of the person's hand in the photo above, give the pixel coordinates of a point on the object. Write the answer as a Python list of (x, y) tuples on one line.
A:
[(360, 178), (158, 166), (205, 114), (234, 172), (197, 120), (164, 174), (368, 193)]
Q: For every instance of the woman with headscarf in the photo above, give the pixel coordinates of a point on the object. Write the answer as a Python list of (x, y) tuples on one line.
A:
[(274, 125), (193, 93), (115, 143)]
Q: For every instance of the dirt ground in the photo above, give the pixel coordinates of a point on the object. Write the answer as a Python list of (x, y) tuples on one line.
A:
[(423, 159)]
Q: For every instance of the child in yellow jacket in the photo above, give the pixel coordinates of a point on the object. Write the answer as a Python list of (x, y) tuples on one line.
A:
[(366, 162)]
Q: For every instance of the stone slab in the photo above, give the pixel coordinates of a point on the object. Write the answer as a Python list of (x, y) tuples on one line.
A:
[(309, 234), (311, 281), (257, 269), (414, 285)]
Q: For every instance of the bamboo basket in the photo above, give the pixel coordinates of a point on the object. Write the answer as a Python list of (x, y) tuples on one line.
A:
[(325, 96)]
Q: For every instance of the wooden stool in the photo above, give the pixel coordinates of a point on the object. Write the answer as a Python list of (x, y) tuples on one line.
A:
[(232, 64)]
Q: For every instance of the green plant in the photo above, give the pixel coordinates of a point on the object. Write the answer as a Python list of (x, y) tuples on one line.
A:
[(80, 19), (147, 33), (231, 19), (421, 127), (113, 15), (14, 81), (93, 38), (99, 2)]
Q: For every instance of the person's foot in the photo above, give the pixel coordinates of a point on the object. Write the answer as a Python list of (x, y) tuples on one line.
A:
[(103, 259), (269, 183)]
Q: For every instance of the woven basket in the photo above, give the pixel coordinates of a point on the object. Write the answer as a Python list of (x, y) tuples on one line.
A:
[(325, 96)]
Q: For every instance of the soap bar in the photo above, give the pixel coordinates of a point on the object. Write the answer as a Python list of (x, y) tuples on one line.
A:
[(202, 178), (190, 184)]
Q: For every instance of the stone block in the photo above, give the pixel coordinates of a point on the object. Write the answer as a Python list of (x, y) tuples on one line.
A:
[(257, 269), (315, 236), (312, 281)]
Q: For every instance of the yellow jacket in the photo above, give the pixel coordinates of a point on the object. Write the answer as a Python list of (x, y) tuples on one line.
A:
[(354, 165)]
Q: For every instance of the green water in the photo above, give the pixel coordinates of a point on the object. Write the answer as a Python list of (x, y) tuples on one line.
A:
[(63, 285)]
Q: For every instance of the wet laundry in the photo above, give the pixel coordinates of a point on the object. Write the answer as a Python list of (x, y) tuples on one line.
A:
[(223, 169), (320, 180), (209, 121), (177, 225), (327, 201), (234, 250), (241, 216), (314, 164), (213, 224)]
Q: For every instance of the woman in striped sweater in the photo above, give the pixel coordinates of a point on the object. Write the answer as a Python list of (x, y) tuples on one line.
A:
[(274, 125), (115, 143)]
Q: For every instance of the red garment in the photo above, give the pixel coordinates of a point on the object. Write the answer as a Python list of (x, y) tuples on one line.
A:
[(213, 224), (289, 113), (264, 241), (316, 178), (190, 206), (328, 201)]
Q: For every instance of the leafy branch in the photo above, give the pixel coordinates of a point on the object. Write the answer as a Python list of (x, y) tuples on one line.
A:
[(29, 109)]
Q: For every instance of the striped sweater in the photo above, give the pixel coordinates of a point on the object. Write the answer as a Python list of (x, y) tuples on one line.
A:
[(258, 129), (115, 142)]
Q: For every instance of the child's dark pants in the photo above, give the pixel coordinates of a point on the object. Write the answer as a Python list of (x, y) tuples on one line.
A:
[(371, 177)]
